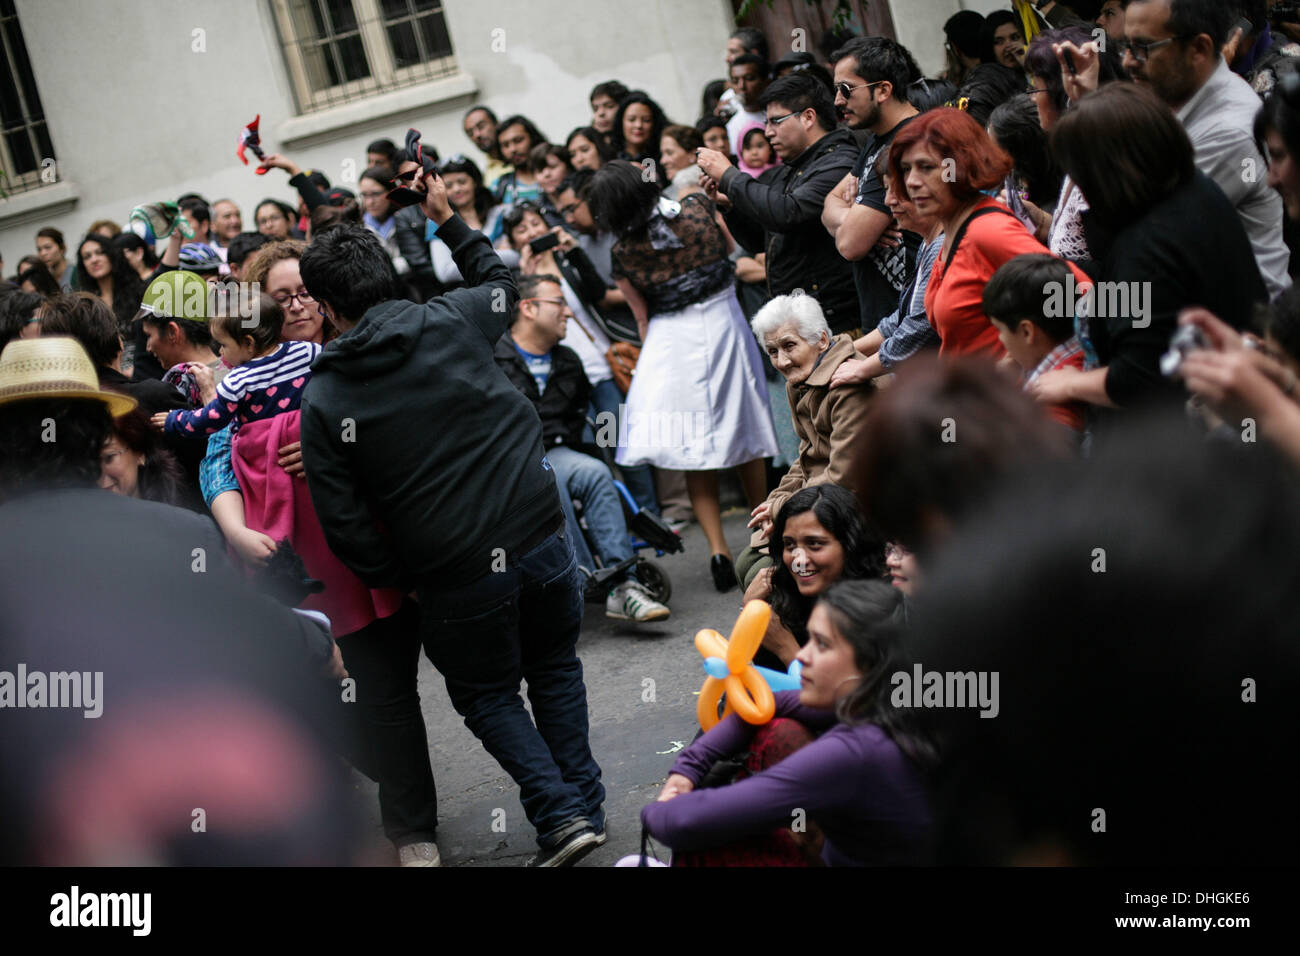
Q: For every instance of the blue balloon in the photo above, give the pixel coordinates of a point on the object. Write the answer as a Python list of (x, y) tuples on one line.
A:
[(779, 681), (716, 667)]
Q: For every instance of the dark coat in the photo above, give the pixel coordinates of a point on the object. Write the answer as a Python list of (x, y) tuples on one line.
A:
[(563, 406), (781, 211), (421, 456)]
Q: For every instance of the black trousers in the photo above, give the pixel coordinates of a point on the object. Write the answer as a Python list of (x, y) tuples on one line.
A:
[(389, 741)]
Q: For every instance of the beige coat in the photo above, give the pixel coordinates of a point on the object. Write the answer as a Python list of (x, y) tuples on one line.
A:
[(829, 425)]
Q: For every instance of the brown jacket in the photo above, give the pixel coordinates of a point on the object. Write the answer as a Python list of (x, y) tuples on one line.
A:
[(829, 425)]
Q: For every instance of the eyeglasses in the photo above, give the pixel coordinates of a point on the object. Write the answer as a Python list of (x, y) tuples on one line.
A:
[(844, 90), (1140, 50), (775, 121), (286, 301), (571, 208), (1035, 90), (560, 302)]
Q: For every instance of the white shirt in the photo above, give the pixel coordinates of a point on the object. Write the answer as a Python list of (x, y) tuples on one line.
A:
[(737, 125), (591, 352)]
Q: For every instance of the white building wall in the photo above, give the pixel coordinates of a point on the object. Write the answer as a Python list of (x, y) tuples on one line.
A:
[(136, 115)]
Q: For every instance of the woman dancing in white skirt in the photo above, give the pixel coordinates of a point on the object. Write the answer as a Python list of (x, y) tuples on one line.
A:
[(698, 402)]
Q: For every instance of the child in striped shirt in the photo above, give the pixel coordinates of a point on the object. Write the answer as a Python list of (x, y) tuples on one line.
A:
[(268, 375)]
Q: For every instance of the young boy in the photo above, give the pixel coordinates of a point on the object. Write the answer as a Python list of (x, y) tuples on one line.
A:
[(1030, 302)]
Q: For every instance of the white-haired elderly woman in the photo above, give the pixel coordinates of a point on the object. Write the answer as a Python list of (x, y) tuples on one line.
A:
[(793, 331)]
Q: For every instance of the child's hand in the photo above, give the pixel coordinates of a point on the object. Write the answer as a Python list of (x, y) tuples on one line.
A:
[(674, 786), (204, 380), (760, 589), (159, 420), (253, 546)]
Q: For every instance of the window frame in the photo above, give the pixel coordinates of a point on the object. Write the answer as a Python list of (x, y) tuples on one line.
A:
[(385, 75), (13, 183)]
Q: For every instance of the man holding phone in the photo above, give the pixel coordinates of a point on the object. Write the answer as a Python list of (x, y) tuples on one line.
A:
[(427, 470)]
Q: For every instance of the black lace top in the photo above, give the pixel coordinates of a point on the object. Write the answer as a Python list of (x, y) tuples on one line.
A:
[(679, 259)]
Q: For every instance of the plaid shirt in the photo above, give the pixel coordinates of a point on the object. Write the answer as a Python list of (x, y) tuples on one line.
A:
[(1056, 358), (216, 471)]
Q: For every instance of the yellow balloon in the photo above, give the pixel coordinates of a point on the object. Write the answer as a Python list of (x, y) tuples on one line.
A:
[(748, 694)]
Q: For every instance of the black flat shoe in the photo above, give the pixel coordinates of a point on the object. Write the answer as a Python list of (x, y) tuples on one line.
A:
[(724, 574)]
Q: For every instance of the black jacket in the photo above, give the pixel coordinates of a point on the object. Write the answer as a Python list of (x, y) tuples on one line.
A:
[(421, 457), (414, 247), (563, 406), (987, 87), (781, 211)]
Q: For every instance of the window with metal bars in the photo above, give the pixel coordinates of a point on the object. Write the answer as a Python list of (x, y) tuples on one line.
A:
[(338, 51), (25, 147)]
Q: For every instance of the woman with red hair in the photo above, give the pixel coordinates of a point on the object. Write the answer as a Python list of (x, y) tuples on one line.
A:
[(942, 162)]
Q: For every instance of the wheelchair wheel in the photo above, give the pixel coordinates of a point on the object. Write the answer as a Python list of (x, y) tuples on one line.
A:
[(655, 580)]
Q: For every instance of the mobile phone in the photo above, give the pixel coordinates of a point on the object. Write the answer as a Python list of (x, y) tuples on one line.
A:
[(1069, 62), (1012, 188), (542, 243)]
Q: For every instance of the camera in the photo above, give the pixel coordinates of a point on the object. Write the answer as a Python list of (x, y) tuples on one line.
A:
[(1185, 341), (542, 243)]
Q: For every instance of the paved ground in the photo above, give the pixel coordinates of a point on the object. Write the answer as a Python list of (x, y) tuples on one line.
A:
[(642, 684)]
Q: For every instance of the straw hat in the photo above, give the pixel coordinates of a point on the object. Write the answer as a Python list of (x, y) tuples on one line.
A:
[(53, 367)]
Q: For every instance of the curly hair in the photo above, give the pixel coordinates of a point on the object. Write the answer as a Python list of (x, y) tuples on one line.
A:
[(259, 263), (29, 462), (160, 477), (128, 287)]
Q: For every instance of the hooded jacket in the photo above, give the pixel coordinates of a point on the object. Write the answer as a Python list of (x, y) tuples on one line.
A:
[(562, 408), (781, 212), (423, 460)]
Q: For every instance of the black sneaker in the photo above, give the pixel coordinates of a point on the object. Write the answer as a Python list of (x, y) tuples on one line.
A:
[(570, 850)]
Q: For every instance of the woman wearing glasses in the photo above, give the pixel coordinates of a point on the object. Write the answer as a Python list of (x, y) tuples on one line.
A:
[(698, 402), (474, 203)]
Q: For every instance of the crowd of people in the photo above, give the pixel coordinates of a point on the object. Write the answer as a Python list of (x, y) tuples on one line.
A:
[(893, 305)]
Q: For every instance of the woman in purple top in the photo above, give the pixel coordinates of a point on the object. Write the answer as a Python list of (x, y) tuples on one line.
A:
[(860, 781)]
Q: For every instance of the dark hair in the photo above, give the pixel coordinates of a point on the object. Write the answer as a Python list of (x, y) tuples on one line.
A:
[(30, 463), (611, 88), (386, 148), (476, 108), (1041, 62), (687, 137), (1279, 320), (620, 199), (380, 174), (160, 477), (911, 481), (751, 59), (244, 245), (186, 197), (1125, 150), (753, 40), (538, 155), (128, 287), (798, 92), (197, 208), (580, 182), (194, 331), (962, 30), (878, 59), (323, 217), (130, 242), (347, 269), (39, 275), (997, 18), (1095, 715), (657, 123), (1020, 289), (713, 91), (265, 332), (483, 198), (84, 317), (1280, 116), (514, 216), (869, 616), (528, 286), (1017, 131), (17, 309), (49, 232), (706, 123), (288, 211), (927, 94), (604, 150), (535, 136), (953, 134), (840, 514), (1191, 18)]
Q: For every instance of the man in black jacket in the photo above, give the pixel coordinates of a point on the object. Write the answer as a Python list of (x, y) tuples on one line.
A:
[(552, 378), (781, 211), (427, 471)]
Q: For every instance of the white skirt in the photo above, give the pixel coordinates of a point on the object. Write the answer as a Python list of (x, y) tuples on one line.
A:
[(698, 400)]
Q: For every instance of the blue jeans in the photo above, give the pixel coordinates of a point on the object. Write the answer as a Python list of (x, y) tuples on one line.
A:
[(605, 397), (588, 479), (522, 623)]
